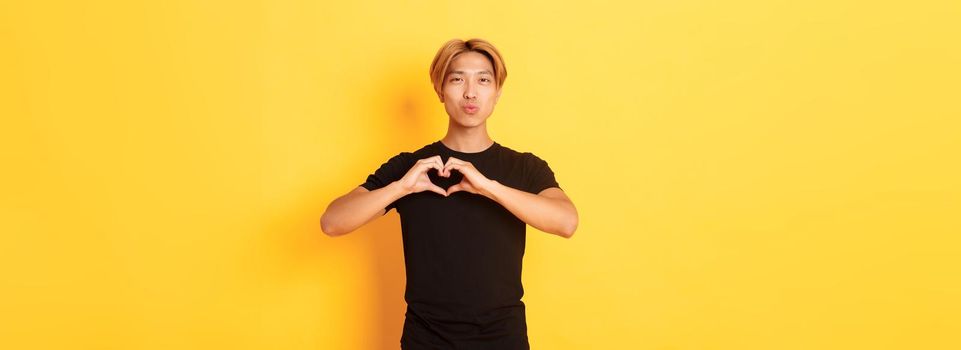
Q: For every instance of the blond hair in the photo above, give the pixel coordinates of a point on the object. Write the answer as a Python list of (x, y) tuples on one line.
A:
[(454, 47)]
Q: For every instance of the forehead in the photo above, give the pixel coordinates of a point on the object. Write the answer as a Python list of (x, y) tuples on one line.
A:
[(470, 62)]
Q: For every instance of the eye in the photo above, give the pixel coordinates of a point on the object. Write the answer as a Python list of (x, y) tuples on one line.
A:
[(454, 79), (485, 80)]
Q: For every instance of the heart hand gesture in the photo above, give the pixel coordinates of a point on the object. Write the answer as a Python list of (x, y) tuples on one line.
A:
[(473, 181), (416, 179)]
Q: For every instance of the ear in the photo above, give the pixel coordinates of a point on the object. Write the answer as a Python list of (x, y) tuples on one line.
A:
[(497, 96)]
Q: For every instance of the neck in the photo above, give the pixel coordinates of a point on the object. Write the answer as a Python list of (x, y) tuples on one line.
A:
[(467, 140)]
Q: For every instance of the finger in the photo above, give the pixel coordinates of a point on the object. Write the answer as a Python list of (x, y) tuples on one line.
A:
[(432, 160), (453, 160), (429, 164), (447, 166), (455, 188), (461, 166), (436, 189), (429, 159), (440, 165), (441, 171), (450, 161), (435, 160)]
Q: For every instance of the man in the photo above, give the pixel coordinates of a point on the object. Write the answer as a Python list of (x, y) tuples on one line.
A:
[(463, 203)]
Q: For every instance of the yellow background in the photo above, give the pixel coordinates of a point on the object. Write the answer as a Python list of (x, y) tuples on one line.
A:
[(749, 174)]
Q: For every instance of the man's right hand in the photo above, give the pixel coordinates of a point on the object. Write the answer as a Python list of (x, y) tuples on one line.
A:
[(416, 179), (352, 210)]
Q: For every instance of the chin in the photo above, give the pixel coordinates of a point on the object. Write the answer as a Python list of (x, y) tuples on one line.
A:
[(470, 121), (467, 120)]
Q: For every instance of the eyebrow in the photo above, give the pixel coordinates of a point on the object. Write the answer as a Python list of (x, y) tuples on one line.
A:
[(462, 72)]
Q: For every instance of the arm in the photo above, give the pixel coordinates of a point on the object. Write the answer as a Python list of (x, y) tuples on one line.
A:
[(352, 210), (358, 207), (549, 211)]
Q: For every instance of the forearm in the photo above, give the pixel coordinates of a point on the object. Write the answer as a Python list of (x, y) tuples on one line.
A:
[(550, 215), (349, 212)]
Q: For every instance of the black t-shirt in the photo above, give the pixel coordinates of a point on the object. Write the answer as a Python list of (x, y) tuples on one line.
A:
[(463, 253)]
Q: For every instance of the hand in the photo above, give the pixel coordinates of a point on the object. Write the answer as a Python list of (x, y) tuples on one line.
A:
[(473, 181), (416, 179)]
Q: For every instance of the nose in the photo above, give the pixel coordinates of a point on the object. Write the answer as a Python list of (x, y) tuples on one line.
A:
[(469, 91)]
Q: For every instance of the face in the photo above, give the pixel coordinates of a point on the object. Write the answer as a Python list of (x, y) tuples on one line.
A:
[(469, 92)]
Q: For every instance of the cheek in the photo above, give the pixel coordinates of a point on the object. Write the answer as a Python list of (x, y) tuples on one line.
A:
[(492, 99), (450, 96)]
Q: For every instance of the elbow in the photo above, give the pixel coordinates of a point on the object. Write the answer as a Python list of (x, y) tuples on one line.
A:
[(569, 228), (327, 227)]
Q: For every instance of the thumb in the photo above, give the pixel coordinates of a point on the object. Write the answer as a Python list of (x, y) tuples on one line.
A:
[(454, 188), (437, 189)]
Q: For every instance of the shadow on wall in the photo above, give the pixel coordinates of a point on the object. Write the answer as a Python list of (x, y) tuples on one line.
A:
[(399, 115), (404, 120)]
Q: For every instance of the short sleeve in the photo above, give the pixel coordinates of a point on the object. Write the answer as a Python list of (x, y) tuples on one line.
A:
[(392, 170), (539, 175)]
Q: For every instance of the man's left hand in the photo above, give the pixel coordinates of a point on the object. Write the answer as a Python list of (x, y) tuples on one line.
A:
[(473, 181)]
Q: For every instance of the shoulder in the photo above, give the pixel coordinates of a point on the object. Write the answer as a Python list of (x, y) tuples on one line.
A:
[(531, 159), (528, 161), (526, 156), (411, 157), (428, 150), (400, 158)]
